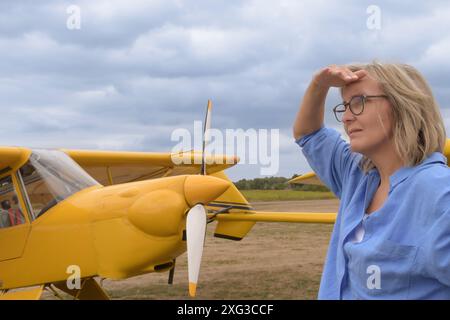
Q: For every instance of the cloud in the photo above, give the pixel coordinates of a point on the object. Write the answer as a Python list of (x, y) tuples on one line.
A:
[(137, 70)]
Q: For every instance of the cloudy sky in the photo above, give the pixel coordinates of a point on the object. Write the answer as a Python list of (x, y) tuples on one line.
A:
[(131, 72)]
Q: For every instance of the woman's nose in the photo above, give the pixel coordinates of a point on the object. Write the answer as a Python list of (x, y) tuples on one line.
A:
[(348, 116)]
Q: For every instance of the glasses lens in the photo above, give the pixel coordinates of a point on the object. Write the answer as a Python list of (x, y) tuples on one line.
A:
[(357, 105), (339, 112)]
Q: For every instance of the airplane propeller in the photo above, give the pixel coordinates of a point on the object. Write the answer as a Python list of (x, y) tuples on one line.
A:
[(197, 219), (195, 233), (206, 136)]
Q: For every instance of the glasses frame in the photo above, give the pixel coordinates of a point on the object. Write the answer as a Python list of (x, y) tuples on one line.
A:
[(348, 104)]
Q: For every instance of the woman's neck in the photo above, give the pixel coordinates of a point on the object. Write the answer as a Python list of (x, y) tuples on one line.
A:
[(387, 163)]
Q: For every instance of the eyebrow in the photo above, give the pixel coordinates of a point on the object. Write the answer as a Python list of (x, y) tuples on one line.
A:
[(359, 94), (355, 95)]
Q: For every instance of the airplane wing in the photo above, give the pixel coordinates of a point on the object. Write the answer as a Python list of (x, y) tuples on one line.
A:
[(236, 225), (114, 167), (307, 178), (266, 216)]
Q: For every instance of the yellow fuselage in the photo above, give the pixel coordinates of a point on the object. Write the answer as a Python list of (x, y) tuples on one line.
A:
[(114, 232)]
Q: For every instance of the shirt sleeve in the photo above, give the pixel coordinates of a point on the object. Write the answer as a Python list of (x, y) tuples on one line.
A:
[(329, 156)]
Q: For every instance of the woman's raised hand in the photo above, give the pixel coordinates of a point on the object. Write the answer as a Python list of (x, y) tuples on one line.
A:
[(337, 76)]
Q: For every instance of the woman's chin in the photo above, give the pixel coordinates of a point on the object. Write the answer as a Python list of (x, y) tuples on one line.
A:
[(356, 147)]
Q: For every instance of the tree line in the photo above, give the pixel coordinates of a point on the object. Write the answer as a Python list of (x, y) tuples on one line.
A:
[(276, 183)]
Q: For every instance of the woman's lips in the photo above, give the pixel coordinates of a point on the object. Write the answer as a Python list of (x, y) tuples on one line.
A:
[(354, 132)]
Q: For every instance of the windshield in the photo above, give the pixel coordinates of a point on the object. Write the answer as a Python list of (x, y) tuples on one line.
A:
[(50, 176)]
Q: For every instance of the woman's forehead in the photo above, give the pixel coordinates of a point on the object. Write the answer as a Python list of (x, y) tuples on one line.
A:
[(365, 86)]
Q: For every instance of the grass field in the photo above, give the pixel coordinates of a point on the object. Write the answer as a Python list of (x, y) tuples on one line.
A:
[(285, 195), (275, 261)]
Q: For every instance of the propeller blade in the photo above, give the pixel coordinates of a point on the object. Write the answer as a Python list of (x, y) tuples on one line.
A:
[(195, 237), (206, 135)]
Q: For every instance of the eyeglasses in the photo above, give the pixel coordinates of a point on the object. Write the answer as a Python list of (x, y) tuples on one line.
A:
[(356, 105)]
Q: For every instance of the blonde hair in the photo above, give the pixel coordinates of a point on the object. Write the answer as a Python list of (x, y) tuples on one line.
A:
[(418, 128)]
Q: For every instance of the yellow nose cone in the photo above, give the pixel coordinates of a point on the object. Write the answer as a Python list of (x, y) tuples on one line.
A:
[(203, 189)]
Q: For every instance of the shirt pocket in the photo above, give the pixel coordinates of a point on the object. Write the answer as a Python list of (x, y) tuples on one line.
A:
[(385, 271)]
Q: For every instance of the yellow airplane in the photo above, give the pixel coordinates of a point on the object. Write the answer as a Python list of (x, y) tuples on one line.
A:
[(113, 215)]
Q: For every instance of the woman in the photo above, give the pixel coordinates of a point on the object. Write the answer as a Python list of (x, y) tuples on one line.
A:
[(391, 239)]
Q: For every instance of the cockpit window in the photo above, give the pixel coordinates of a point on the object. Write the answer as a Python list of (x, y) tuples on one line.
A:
[(49, 177), (10, 212)]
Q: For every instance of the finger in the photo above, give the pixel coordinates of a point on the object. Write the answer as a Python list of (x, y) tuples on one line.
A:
[(357, 75), (361, 74), (347, 75), (334, 71), (339, 72)]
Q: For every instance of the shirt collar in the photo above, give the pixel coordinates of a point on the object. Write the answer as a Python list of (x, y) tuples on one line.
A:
[(404, 172)]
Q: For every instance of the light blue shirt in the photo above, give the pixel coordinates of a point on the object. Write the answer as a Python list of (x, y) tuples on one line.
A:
[(405, 250)]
